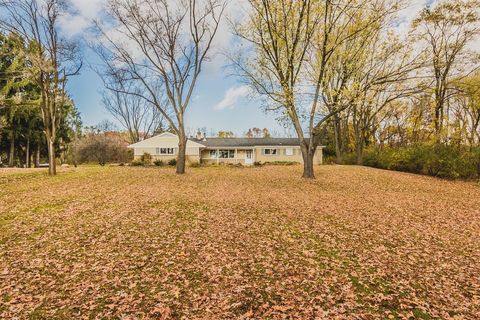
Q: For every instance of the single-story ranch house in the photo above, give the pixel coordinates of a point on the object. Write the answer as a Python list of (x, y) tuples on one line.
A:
[(244, 151)]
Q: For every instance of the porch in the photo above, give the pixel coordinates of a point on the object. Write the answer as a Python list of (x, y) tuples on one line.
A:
[(244, 156)]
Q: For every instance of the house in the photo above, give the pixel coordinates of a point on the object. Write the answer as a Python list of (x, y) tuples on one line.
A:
[(244, 151)]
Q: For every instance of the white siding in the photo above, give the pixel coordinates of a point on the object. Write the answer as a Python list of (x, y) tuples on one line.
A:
[(164, 140)]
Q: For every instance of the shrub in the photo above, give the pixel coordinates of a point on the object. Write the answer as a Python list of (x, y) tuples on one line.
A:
[(195, 164), (349, 158), (281, 163), (146, 159), (136, 163), (159, 163), (235, 165), (101, 147), (329, 159), (443, 161), (172, 162)]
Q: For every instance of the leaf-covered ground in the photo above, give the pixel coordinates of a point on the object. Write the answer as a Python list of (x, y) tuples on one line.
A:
[(224, 243)]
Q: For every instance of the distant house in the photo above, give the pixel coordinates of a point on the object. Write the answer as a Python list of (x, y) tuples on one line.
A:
[(244, 151)]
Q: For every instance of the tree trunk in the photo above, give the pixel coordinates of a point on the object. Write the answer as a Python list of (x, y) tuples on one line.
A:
[(359, 150), (182, 150), (37, 156), (359, 156), (75, 164), (307, 154), (27, 156), (52, 167), (11, 155), (338, 140), (438, 116)]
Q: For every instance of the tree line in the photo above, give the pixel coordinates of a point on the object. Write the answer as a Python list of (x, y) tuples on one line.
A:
[(36, 65), (342, 70), (339, 73)]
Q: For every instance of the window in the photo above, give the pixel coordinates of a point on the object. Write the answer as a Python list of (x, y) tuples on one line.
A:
[(289, 152), (226, 154), (222, 154), (270, 152), (165, 151)]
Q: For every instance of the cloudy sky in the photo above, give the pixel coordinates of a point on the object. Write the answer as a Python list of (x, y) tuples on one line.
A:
[(221, 102)]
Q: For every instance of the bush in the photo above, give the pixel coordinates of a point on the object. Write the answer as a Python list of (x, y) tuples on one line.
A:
[(136, 163), (102, 147), (195, 164), (443, 161), (281, 163), (329, 159), (172, 162), (159, 163), (235, 165), (146, 159), (350, 158)]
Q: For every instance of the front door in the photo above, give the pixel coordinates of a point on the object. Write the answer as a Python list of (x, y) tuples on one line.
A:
[(249, 157)]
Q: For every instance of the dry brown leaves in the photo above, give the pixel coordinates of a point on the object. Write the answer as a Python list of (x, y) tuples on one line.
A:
[(220, 243)]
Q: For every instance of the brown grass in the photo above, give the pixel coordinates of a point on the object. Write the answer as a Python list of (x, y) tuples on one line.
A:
[(221, 243)]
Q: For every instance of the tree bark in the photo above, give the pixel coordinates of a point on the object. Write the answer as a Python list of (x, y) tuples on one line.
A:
[(182, 150), (11, 156), (359, 151), (307, 155), (338, 139), (75, 163), (27, 156), (52, 167), (37, 156), (359, 143)]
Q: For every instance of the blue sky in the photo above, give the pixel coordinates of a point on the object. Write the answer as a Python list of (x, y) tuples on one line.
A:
[(220, 101), (238, 114)]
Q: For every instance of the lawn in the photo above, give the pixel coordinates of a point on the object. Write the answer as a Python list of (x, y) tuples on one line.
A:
[(223, 243)]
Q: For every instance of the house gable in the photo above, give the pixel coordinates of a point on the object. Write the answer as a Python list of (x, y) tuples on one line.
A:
[(166, 140)]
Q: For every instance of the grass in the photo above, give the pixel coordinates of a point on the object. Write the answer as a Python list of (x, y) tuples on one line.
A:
[(222, 243)]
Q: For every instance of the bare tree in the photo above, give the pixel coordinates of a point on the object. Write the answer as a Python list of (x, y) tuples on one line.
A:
[(161, 47), (102, 144), (134, 113), (53, 59)]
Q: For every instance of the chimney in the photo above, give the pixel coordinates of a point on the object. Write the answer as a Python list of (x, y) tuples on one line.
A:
[(199, 135)]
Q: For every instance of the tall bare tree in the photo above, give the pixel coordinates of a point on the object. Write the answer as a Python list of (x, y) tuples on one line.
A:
[(161, 47), (135, 114), (53, 59)]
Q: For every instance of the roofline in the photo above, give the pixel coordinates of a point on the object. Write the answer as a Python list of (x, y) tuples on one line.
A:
[(203, 144), (250, 147)]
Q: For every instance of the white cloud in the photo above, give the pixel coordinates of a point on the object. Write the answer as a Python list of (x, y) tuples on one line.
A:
[(89, 8), (81, 16), (224, 37), (231, 97), (409, 13)]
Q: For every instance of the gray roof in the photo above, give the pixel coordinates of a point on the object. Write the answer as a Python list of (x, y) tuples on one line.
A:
[(246, 142)]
